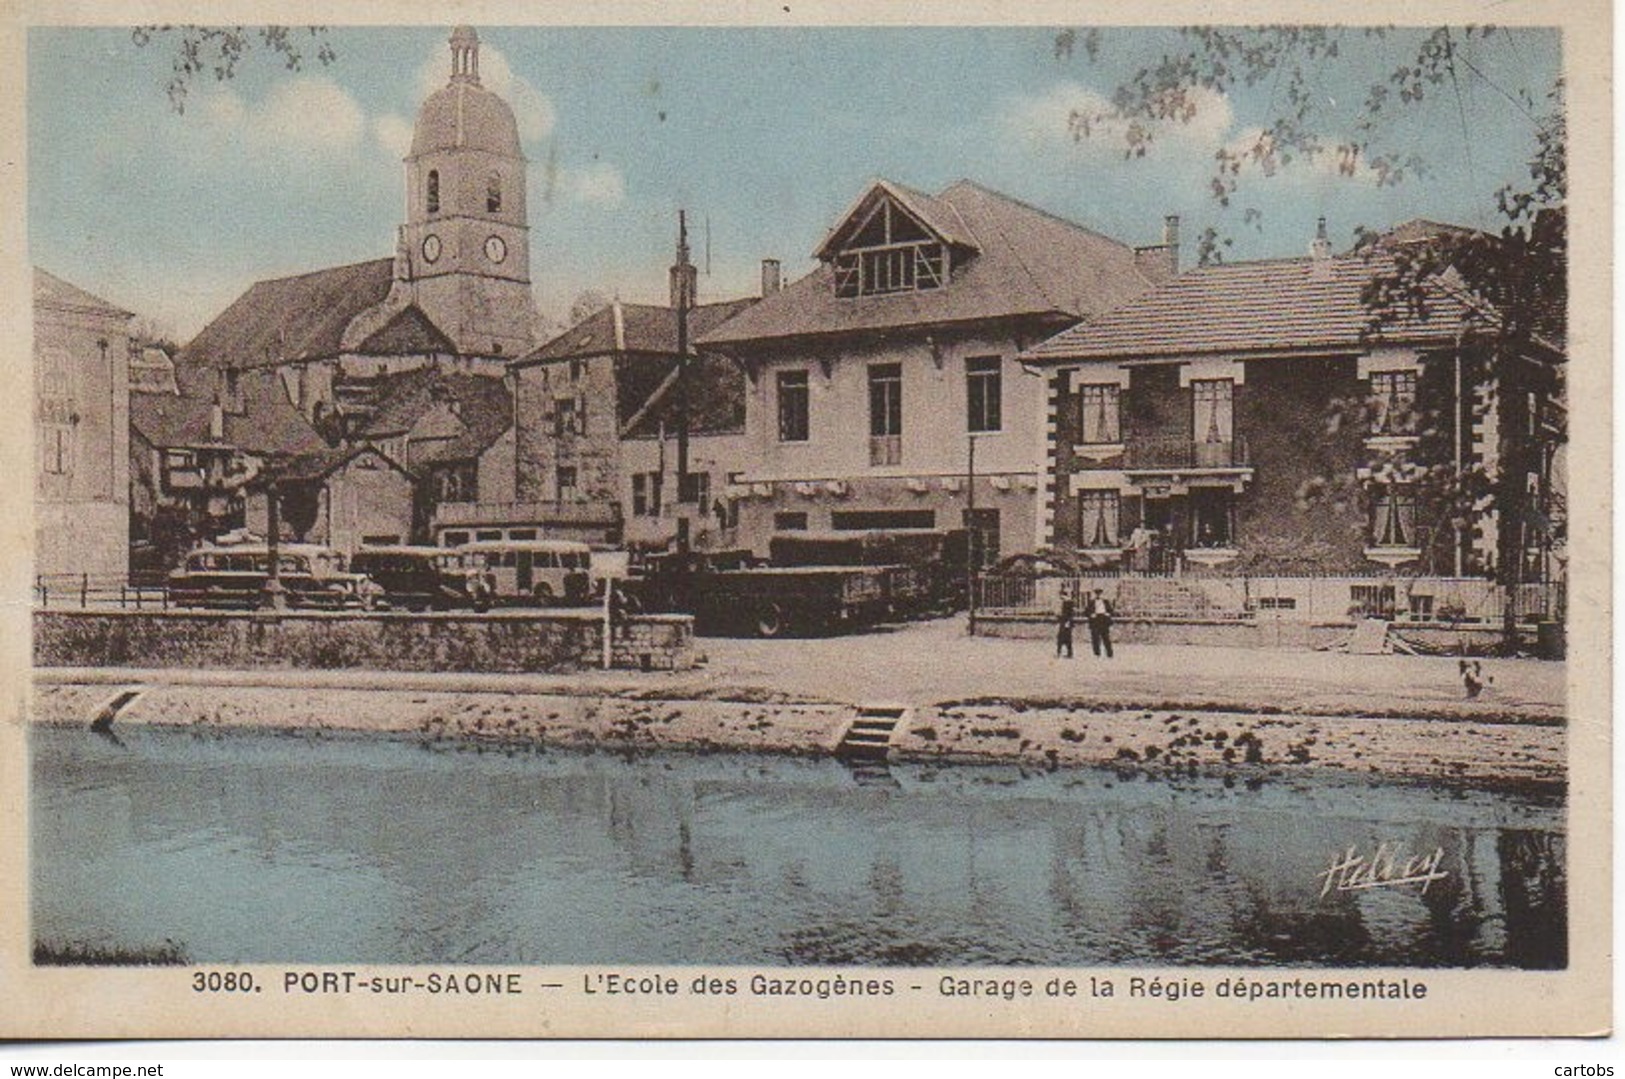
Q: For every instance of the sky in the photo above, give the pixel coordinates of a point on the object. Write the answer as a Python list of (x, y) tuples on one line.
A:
[(765, 137)]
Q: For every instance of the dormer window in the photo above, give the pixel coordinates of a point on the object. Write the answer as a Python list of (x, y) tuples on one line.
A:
[(891, 252), (493, 194), (434, 191)]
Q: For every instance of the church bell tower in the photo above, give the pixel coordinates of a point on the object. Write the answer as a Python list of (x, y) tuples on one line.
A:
[(464, 251)]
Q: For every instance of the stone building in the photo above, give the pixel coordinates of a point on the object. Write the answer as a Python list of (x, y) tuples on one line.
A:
[(81, 431), (341, 498), (1248, 416), (595, 438), (870, 377), (191, 462), (456, 295)]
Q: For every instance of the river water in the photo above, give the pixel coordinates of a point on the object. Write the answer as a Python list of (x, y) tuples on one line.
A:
[(244, 846)]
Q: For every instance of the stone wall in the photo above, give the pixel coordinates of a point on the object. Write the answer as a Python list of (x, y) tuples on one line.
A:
[(557, 641)]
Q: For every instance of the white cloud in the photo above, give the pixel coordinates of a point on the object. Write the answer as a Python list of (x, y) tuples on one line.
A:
[(1055, 117), (304, 113), (598, 184), (532, 109), (394, 134)]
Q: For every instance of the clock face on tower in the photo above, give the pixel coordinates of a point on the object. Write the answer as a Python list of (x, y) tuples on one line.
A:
[(495, 249), (431, 248)]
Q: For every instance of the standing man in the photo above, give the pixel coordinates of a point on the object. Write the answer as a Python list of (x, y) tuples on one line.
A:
[(1099, 612), (1063, 624)]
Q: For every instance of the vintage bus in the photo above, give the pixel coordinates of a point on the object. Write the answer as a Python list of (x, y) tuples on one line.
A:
[(543, 572), (235, 576)]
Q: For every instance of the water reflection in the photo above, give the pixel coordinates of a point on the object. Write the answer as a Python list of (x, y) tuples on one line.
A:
[(269, 847)]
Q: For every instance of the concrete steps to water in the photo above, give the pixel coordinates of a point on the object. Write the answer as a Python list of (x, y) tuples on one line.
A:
[(868, 736)]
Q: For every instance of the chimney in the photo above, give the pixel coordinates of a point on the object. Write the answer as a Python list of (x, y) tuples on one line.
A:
[(771, 282), (684, 273), (1170, 240), (1321, 248)]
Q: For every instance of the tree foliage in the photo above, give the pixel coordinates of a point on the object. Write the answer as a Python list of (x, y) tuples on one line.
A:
[(1305, 126), (1513, 280), (221, 50)]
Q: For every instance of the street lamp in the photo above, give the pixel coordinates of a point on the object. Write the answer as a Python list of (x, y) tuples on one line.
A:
[(972, 555), (275, 596)]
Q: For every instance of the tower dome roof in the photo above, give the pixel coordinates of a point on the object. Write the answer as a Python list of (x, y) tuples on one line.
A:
[(463, 114)]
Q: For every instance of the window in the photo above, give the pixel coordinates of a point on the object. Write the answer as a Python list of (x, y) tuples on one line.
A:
[(522, 533), (488, 534), (890, 253), (56, 449), (566, 482), (793, 426), (456, 483), (789, 522), (1211, 524), (453, 539), (1277, 603), (433, 200), (1393, 403), (569, 416), (233, 391), (493, 194), (864, 520), (646, 494), (885, 414), (1393, 516), (695, 488), (1212, 418), (1098, 415), (1097, 519), (984, 394)]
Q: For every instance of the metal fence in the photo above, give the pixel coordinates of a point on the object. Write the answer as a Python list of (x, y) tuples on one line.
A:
[(85, 590), (1237, 597)]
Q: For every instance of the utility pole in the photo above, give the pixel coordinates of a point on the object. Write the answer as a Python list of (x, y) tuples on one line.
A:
[(682, 274)]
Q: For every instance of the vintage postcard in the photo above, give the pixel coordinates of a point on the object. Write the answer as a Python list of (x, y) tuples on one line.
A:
[(948, 520)]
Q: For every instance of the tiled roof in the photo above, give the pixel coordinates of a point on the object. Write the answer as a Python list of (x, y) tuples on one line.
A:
[(409, 333), (318, 465), (269, 425), (52, 291), (166, 420), (633, 327), (291, 318), (1029, 262), (1265, 306)]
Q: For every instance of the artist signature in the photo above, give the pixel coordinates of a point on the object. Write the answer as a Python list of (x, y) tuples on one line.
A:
[(1389, 865)]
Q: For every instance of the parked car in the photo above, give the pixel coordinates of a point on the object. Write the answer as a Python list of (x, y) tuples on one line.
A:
[(235, 576), (421, 578), (543, 572)]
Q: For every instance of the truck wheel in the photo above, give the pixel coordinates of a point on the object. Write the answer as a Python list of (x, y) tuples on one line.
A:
[(543, 595), (770, 620)]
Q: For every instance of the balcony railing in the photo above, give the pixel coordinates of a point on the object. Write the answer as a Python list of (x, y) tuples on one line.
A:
[(476, 513), (1154, 454), (885, 450)]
